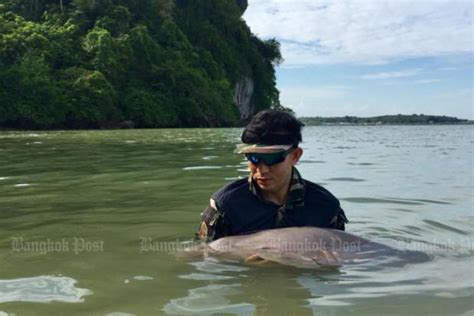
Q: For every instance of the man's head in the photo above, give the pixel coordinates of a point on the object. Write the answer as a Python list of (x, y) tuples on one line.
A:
[(270, 143), (273, 127)]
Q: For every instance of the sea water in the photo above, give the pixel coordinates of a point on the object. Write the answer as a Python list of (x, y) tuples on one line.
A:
[(90, 223)]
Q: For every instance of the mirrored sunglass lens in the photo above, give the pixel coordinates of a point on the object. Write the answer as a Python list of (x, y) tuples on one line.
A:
[(255, 159), (268, 159), (273, 159)]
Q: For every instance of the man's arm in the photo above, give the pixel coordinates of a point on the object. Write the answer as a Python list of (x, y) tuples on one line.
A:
[(213, 226), (339, 220)]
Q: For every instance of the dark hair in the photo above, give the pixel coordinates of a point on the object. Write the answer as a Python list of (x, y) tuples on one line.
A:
[(273, 127)]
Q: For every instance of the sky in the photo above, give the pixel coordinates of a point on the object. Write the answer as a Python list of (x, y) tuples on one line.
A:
[(372, 57)]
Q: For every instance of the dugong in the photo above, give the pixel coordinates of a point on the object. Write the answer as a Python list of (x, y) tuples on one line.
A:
[(303, 247)]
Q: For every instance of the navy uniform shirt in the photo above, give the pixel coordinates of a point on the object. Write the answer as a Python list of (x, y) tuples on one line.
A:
[(237, 208)]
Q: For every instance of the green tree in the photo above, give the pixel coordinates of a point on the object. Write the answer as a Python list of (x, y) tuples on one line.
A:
[(91, 101), (30, 98), (147, 109), (92, 63)]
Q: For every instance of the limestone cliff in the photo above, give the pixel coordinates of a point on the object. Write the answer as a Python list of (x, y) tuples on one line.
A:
[(243, 96)]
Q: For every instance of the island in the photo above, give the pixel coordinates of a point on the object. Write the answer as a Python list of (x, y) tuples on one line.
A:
[(398, 119)]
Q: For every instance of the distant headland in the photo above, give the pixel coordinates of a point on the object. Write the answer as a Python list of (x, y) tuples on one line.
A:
[(399, 119)]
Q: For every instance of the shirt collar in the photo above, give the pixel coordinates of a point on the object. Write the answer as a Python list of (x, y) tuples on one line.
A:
[(295, 193)]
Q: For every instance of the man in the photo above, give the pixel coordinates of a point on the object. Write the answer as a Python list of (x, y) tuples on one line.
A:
[(275, 195)]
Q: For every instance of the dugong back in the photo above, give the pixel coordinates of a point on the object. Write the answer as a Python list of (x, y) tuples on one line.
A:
[(298, 246)]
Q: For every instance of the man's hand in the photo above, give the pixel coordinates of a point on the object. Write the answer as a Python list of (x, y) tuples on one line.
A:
[(255, 259)]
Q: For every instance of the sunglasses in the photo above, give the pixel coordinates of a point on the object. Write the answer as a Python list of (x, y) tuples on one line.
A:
[(269, 159)]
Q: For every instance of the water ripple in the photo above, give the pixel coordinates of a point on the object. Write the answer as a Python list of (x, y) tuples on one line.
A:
[(207, 300), (424, 201), (402, 210), (432, 201), (312, 161), (214, 267), (41, 289), (444, 227), (345, 179), (205, 277), (202, 167), (143, 278), (22, 185), (374, 200)]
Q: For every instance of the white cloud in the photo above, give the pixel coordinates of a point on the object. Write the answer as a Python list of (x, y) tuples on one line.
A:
[(306, 99), (426, 81), (337, 109), (368, 32), (295, 96), (392, 74), (447, 68), (457, 93), (315, 92)]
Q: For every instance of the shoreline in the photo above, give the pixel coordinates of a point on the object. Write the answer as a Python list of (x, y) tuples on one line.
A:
[(387, 124), (341, 124)]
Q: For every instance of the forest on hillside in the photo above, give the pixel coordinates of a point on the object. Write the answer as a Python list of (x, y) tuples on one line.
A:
[(142, 63)]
